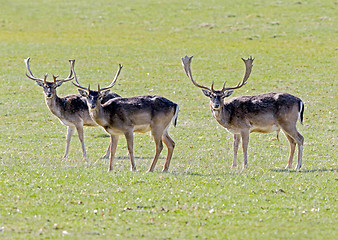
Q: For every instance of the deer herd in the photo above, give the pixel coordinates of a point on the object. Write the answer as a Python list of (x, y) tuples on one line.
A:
[(118, 115)]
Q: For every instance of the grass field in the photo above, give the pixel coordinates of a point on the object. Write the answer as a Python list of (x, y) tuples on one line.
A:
[(44, 196)]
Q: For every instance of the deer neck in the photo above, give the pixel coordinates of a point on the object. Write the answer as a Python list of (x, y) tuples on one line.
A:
[(221, 115), (53, 103), (99, 115)]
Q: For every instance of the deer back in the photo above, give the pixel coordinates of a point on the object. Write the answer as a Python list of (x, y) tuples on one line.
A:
[(135, 111)]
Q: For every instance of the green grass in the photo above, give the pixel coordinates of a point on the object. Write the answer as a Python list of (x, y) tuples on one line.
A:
[(44, 196)]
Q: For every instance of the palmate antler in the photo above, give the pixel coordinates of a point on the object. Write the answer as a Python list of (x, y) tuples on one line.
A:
[(186, 61), (77, 84), (31, 76), (248, 66)]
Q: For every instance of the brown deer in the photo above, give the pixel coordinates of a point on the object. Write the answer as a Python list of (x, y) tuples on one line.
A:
[(262, 113), (71, 110), (124, 116)]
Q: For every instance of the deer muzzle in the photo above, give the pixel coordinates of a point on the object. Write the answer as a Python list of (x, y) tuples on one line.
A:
[(92, 105)]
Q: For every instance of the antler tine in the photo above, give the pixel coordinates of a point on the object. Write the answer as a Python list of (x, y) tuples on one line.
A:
[(31, 76), (114, 81), (55, 78), (248, 66), (45, 78), (224, 86), (186, 64), (69, 76)]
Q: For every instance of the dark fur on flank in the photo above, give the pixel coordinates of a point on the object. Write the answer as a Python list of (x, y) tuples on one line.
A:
[(278, 103)]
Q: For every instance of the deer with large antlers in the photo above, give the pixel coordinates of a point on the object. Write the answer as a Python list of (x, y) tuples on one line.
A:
[(262, 113), (71, 110), (124, 116)]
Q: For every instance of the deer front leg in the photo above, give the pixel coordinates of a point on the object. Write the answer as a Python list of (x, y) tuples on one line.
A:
[(113, 146), (245, 144), (70, 131), (130, 144), (237, 140)]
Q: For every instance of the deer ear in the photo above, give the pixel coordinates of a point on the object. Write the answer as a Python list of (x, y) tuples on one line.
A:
[(83, 93), (40, 83), (206, 92), (228, 93)]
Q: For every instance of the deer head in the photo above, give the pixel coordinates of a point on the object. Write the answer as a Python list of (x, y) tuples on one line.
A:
[(94, 97), (217, 96), (49, 88)]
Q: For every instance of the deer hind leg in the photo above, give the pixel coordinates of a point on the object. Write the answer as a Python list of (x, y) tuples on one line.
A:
[(294, 138), (292, 150), (245, 144), (130, 144), (112, 147), (170, 145), (237, 140), (300, 142), (79, 129), (70, 131), (106, 155), (157, 134)]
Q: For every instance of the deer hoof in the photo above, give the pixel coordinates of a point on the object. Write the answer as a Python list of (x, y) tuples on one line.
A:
[(288, 166), (233, 165)]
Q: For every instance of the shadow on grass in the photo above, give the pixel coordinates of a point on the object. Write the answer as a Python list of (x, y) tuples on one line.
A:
[(136, 157), (272, 170), (102, 136), (305, 171), (197, 174)]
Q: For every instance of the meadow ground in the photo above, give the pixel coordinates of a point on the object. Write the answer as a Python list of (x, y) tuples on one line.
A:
[(44, 196)]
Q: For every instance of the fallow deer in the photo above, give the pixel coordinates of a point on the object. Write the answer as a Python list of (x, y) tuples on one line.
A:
[(124, 116), (262, 113), (71, 110)]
